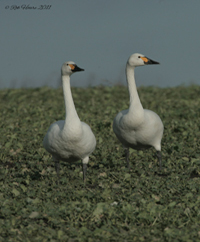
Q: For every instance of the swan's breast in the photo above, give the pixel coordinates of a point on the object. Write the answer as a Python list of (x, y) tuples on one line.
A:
[(66, 145), (143, 135)]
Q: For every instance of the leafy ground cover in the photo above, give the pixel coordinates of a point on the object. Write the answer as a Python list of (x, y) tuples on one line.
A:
[(114, 205)]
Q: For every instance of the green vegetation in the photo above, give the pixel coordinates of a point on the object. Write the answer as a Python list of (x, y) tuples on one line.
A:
[(115, 205)]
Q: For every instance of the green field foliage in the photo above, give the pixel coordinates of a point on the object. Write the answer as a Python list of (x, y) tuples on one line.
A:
[(145, 204)]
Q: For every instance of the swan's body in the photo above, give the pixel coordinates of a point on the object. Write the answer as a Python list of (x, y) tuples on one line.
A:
[(136, 127), (69, 140)]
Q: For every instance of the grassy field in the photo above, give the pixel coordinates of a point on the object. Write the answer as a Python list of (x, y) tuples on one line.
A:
[(115, 205)]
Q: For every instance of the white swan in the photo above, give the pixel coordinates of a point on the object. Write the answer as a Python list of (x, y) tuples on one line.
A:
[(69, 140), (136, 127)]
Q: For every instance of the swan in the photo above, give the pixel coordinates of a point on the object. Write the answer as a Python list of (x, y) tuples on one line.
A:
[(138, 128), (69, 140)]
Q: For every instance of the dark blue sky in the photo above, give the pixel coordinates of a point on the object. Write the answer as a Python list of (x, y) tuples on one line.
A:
[(99, 36)]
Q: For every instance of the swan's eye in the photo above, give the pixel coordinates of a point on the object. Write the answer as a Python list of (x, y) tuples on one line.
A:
[(138, 56), (67, 64)]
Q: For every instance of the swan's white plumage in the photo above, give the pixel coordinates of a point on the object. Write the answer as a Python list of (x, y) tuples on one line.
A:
[(67, 146), (69, 140), (136, 127)]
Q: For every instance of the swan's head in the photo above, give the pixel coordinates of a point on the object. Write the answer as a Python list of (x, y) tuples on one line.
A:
[(140, 60), (69, 68)]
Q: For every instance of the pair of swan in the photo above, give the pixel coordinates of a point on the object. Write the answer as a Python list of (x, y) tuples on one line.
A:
[(71, 140)]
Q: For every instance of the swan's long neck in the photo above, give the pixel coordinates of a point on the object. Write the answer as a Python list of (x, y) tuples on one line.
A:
[(71, 114), (134, 98), (135, 115)]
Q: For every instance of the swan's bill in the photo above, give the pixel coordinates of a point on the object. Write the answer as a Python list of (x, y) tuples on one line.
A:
[(148, 61), (75, 68)]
